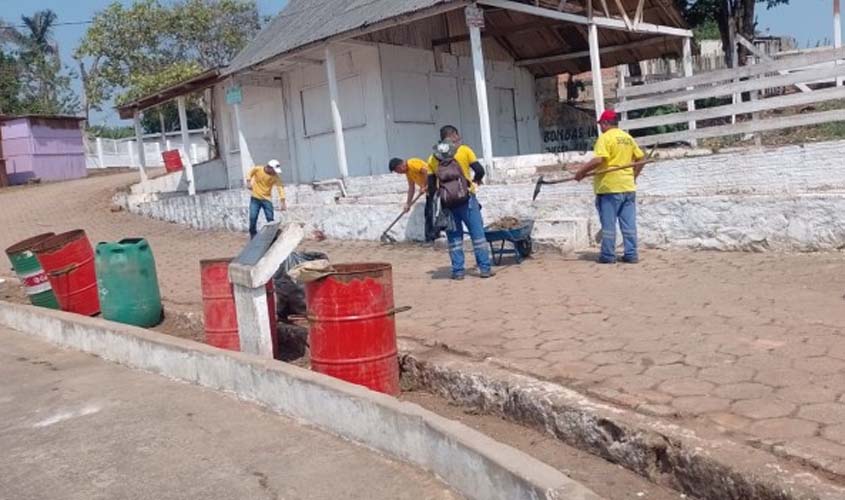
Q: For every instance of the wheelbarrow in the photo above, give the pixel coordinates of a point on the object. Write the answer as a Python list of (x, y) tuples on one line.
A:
[(514, 241)]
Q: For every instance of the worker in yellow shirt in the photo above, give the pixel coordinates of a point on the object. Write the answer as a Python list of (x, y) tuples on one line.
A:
[(616, 192), (416, 172), (260, 182), (467, 212)]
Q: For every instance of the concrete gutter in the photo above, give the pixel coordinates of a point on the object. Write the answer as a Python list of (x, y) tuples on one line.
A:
[(705, 465), (471, 463)]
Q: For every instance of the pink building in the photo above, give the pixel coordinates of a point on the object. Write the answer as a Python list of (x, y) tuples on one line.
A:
[(49, 148)]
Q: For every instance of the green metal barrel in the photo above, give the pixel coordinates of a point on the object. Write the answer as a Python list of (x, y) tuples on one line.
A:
[(128, 284), (30, 272)]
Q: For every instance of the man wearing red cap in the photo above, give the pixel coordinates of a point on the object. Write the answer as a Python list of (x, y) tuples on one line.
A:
[(616, 197)]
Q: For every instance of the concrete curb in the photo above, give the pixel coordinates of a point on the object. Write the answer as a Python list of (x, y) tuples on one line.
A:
[(471, 463), (709, 467)]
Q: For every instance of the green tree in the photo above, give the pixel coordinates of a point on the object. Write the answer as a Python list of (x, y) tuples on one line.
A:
[(738, 15), (43, 86), (135, 50)]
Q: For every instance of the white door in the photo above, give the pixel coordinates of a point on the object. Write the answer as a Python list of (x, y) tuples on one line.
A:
[(505, 140)]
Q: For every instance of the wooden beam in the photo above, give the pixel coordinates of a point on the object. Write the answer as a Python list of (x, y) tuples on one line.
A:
[(515, 30), (764, 57), (602, 22), (801, 120), (738, 87), (691, 125), (768, 104), (624, 14), (340, 144), (719, 76), (471, 14), (604, 8), (638, 17), (586, 53), (142, 155)]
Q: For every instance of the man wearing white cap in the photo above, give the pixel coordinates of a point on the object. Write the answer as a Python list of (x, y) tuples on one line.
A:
[(260, 182)]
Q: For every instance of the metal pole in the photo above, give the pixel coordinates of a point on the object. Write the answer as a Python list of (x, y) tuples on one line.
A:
[(183, 127), (139, 138), (475, 21), (340, 144)]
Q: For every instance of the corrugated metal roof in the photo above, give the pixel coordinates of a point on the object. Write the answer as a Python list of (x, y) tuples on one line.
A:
[(304, 22)]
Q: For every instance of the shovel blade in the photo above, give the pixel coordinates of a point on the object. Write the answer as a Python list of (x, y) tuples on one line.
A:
[(537, 188)]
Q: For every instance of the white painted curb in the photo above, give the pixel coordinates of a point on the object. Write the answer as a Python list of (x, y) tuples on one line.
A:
[(471, 463)]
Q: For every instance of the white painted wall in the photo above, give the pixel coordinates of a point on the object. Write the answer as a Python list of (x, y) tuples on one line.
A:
[(393, 102), (419, 100), (361, 108)]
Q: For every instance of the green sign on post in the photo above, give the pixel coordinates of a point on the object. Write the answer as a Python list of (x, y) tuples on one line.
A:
[(234, 95)]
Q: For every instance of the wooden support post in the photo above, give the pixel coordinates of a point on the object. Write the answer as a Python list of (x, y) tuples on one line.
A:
[(688, 73), (475, 21), (621, 77), (139, 138), (734, 62), (243, 147), (595, 69), (837, 33), (130, 147), (340, 144), (186, 140)]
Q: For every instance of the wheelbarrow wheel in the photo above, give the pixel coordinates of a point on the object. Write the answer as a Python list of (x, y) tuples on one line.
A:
[(525, 247)]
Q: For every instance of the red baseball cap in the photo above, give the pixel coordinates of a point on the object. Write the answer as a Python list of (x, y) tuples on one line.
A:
[(608, 115)]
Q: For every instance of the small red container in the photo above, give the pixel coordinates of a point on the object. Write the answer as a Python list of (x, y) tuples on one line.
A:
[(220, 316), (172, 160), (353, 327), (68, 260)]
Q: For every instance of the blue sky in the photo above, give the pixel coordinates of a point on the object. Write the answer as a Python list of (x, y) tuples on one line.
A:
[(809, 21)]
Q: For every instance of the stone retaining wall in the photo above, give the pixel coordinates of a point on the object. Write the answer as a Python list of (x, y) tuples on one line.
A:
[(785, 199)]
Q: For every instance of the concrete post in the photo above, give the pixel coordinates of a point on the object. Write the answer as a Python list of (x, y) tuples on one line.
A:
[(130, 146), (249, 273), (183, 127), (139, 138), (195, 155), (595, 69), (100, 155), (688, 73), (475, 21), (340, 143)]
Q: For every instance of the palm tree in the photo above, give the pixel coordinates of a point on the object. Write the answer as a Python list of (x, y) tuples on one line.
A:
[(39, 37)]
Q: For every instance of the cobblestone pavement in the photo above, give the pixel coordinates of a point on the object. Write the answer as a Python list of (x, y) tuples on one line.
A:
[(751, 344)]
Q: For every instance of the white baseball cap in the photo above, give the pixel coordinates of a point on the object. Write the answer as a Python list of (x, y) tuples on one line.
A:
[(275, 165)]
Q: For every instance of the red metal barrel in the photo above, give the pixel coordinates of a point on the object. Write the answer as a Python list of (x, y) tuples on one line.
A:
[(353, 329), (68, 260), (220, 316), (172, 160)]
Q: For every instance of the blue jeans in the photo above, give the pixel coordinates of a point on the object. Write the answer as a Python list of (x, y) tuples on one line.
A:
[(255, 207), (468, 213), (621, 207)]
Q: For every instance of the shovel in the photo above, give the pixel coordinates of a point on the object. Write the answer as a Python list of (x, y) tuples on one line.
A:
[(541, 181), (385, 236)]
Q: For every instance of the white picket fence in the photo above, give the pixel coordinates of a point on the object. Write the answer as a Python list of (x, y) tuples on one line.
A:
[(112, 153)]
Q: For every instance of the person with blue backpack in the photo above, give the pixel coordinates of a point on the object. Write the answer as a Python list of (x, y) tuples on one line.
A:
[(454, 175)]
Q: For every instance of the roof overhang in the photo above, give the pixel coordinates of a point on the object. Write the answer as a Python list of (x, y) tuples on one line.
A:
[(199, 82)]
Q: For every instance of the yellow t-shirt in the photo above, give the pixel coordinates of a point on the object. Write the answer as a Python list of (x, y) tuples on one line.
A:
[(465, 157), (616, 148), (417, 172), (262, 184)]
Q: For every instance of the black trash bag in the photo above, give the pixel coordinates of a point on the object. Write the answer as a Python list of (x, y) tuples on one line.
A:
[(290, 296)]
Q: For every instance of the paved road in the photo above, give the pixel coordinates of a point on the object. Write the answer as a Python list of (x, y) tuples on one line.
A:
[(750, 344), (75, 427)]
